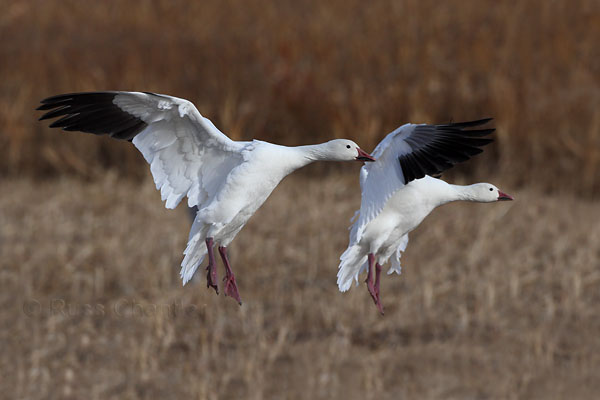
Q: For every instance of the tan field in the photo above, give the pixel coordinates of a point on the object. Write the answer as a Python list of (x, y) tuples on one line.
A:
[(496, 301)]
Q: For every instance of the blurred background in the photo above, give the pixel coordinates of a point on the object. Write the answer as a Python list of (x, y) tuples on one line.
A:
[(495, 300)]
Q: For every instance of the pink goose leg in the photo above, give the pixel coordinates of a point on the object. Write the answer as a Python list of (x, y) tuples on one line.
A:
[(369, 280), (374, 289), (211, 275), (230, 284), (377, 274)]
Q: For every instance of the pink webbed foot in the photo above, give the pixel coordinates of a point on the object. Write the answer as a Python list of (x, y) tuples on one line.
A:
[(371, 289), (211, 269), (231, 289)]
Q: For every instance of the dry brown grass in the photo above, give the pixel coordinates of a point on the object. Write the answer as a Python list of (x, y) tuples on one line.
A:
[(504, 306), (495, 301), (300, 71)]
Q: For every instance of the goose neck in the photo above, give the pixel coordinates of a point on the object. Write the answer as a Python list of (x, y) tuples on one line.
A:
[(463, 193), (313, 152)]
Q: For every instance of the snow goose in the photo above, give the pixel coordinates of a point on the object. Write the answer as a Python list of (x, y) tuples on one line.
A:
[(227, 180), (398, 193)]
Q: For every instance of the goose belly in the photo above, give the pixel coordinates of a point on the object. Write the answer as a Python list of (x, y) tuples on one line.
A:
[(411, 205), (233, 206), (402, 213)]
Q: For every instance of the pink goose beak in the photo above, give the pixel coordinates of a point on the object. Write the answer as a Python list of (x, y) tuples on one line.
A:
[(364, 156), (504, 197)]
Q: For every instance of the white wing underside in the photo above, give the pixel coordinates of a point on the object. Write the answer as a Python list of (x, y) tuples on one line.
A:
[(379, 180), (188, 155)]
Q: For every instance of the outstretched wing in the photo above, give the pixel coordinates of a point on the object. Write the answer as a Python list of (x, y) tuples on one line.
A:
[(411, 152), (188, 155)]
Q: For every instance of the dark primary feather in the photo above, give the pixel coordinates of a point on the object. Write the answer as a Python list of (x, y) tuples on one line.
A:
[(436, 148), (91, 112)]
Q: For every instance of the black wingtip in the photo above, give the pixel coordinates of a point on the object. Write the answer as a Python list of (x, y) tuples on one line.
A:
[(91, 112), (436, 148)]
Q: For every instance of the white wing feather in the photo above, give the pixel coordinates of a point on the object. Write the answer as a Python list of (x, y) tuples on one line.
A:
[(188, 155), (396, 267), (379, 180)]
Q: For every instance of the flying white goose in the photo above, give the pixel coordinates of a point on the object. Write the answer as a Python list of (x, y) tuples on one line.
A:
[(227, 180), (398, 193)]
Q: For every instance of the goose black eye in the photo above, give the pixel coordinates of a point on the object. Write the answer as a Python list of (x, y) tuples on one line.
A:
[(347, 146), (491, 189)]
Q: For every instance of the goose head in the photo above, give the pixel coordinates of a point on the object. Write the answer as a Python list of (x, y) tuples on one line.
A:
[(344, 150), (487, 193)]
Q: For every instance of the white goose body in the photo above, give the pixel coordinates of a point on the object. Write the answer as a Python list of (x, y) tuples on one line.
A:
[(246, 188), (402, 213), (397, 194), (189, 157)]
